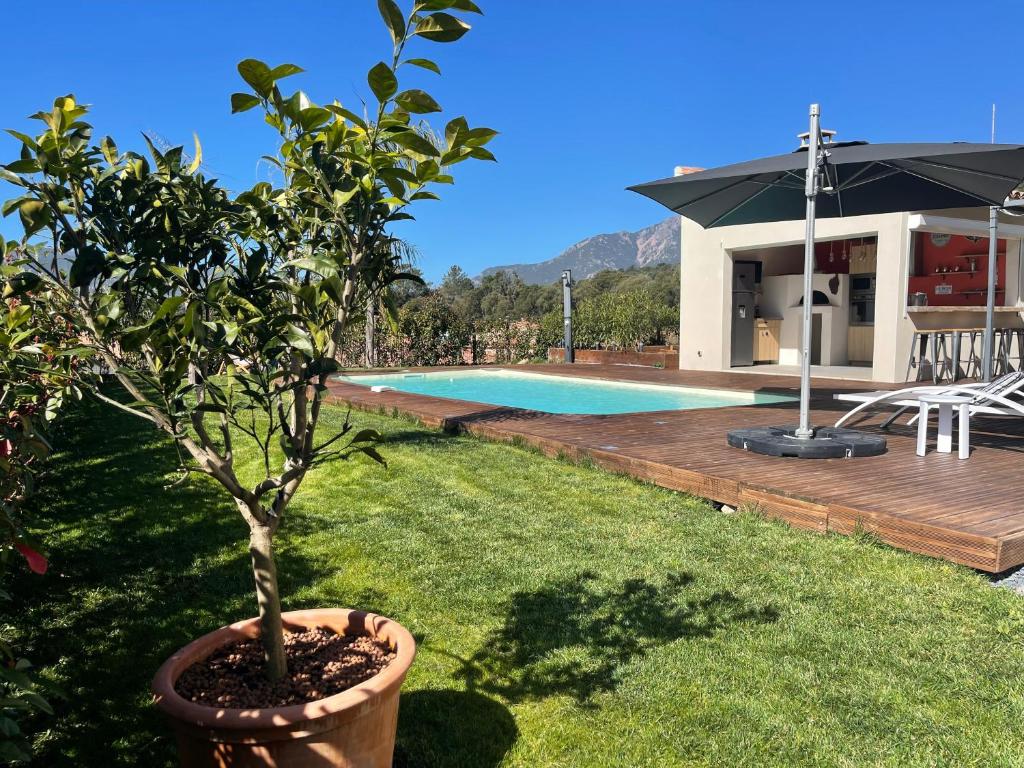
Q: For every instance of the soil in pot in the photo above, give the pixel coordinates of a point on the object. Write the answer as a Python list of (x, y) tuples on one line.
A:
[(321, 663)]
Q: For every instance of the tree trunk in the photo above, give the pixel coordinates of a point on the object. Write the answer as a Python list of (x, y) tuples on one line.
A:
[(261, 548), (370, 335)]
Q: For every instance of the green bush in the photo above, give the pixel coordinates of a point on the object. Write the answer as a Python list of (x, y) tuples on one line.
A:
[(432, 333), (625, 320)]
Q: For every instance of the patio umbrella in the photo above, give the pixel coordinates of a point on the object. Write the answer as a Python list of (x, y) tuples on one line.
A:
[(827, 180)]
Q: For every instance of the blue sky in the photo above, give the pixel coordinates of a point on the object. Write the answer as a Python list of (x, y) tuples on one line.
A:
[(588, 96)]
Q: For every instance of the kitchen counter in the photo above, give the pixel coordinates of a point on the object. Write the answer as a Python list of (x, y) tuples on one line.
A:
[(963, 318)]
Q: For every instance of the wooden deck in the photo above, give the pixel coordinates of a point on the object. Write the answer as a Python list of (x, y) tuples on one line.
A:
[(969, 511)]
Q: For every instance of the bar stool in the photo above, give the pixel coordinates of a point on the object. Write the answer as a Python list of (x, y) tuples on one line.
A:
[(1011, 349), (943, 364), (973, 368), (916, 359), (926, 346), (1002, 340)]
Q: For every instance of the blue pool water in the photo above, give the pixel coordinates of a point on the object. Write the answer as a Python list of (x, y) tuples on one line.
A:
[(558, 394)]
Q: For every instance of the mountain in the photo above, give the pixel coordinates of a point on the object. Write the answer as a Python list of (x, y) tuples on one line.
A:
[(656, 244)]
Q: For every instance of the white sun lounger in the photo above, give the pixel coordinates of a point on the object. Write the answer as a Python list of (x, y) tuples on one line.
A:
[(999, 397)]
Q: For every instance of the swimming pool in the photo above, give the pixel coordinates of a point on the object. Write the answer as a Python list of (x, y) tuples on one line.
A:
[(558, 394)]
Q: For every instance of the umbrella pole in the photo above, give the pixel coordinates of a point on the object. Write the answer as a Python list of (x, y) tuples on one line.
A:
[(990, 297), (804, 431)]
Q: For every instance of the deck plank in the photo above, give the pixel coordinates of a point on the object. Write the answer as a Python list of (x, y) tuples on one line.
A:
[(968, 512)]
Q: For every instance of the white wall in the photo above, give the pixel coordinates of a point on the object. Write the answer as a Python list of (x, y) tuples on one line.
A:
[(893, 331), (705, 314), (706, 277)]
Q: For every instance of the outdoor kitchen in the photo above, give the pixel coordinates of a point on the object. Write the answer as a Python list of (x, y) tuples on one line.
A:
[(770, 280)]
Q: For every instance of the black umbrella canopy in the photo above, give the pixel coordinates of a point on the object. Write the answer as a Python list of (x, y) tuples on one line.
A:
[(864, 179)]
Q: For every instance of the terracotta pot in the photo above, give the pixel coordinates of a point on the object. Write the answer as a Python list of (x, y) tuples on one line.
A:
[(352, 729)]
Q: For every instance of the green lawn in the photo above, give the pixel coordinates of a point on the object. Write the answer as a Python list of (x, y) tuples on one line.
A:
[(565, 616)]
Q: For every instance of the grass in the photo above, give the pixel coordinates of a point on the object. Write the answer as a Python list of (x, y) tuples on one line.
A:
[(565, 616)]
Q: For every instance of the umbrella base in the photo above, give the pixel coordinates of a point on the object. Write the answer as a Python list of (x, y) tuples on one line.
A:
[(827, 443)]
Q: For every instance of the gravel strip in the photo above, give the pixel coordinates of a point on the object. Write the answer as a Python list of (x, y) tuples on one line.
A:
[(1011, 579)]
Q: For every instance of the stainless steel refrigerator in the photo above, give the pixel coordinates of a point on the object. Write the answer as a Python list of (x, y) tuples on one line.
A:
[(744, 275)]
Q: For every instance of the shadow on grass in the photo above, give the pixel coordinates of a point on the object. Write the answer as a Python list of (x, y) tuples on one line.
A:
[(574, 638), (422, 436), (138, 569), (452, 728)]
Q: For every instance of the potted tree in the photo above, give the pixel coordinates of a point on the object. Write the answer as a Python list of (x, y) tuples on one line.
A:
[(219, 320)]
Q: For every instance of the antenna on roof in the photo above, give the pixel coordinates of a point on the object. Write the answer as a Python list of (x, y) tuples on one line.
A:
[(993, 122)]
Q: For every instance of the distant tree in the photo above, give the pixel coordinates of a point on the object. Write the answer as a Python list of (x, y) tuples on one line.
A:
[(455, 283), (533, 301), (459, 290), (498, 294)]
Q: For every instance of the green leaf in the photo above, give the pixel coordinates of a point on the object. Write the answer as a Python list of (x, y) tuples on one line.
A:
[(349, 115), (13, 204), (417, 102), (322, 365), (88, 265), (109, 149), (479, 153), (282, 71), (240, 102), (424, 64), (440, 5), (10, 178), (257, 74), (28, 141), (413, 141), (29, 165), (477, 137), (441, 28), (312, 118), (197, 158), (342, 196), (424, 194), (299, 339), (393, 18), (34, 215), (456, 126), (21, 283), (382, 81), (168, 306)]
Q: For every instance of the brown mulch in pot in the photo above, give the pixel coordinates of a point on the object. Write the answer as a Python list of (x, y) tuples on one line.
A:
[(320, 664)]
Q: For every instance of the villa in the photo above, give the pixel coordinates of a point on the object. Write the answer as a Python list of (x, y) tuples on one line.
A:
[(879, 279)]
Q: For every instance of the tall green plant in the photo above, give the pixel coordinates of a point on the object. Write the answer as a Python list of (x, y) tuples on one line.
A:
[(220, 317)]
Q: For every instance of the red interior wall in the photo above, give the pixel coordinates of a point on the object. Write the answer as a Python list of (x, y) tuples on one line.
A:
[(929, 257)]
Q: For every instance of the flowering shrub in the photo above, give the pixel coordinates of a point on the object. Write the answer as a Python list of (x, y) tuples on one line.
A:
[(37, 368)]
